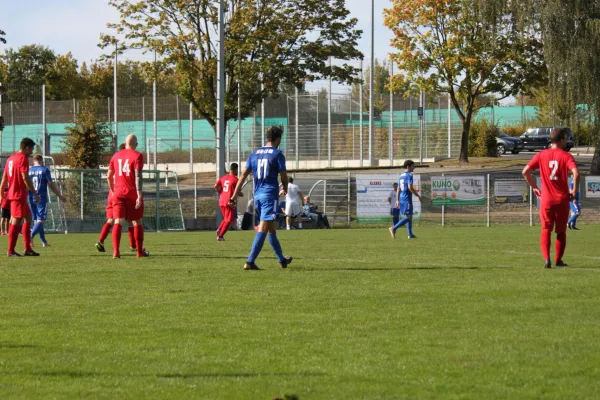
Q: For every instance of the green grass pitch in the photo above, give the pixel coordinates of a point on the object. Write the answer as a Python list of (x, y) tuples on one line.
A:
[(456, 313)]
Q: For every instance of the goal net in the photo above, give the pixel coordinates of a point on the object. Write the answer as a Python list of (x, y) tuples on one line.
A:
[(87, 190)]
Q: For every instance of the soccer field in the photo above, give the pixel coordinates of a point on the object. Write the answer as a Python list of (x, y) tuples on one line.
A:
[(456, 313)]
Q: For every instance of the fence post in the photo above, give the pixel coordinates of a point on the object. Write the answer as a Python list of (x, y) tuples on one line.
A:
[(239, 118), (262, 113), (530, 206), (353, 145), (297, 130), (191, 138), (195, 195), (443, 210), (421, 118), (14, 129), (45, 151), (449, 129), (318, 131), (115, 93), (179, 131), (329, 120), (144, 122), (488, 200), (154, 123), (391, 134), (81, 195), (349, 196), (157, 176), (325, 196), (360, 119)]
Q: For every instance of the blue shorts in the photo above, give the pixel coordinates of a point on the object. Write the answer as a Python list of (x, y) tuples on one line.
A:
[(395, 212), (39, 211), (266, 208), (406, 208), (575, 208)]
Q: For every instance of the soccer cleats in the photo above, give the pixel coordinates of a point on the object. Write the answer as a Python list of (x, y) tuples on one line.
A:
[(13, 254), (392, 233), (547, 264), (286, 261), (31, 253), (561, 264), (100, 247), (412, 237), (251, 267)]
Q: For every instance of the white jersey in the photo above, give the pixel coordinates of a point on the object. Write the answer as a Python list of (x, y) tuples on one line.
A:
[(292, 194)]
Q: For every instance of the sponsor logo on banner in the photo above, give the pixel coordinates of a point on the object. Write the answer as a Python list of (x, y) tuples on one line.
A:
[(511, 189), (592, 186), (457, 190), (372, 194)]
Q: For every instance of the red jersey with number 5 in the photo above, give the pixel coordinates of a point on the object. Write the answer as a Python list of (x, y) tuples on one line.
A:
[(554, 165), (16, 166), (228, 183), (126, 164)]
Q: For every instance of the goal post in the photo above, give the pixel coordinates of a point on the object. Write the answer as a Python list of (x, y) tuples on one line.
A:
[(86, 191)]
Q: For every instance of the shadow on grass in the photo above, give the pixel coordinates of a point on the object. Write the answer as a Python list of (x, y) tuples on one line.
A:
[(11, 345), (88, 374), (326, 269)]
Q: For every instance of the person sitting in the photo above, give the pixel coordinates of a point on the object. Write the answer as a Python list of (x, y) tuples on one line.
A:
[(311, 211), (248, 219)]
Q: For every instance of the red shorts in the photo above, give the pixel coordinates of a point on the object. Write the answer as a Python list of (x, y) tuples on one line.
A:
[(19, 208), (109, 208), (124, 208), (227, 213), (555, 217)]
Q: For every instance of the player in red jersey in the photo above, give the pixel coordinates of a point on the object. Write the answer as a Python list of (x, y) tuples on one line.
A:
[(16, 176), (554, 165), (110, 221), (225, 186), (125, 182)]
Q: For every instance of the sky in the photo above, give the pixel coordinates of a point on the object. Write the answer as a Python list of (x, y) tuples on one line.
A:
[(76, 25)]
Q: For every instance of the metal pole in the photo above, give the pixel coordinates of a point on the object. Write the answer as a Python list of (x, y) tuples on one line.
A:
[(488, 200), (371, 84), (449, 128), (262, 114), (109, 120), (191, 138), (44, 150), (2, 130), (421, 129), (74, 107), (148, 150), (530, 206), (144, 122), (14, 129), (325, 196), (239, 117), (443, 212), (154, 123), (391, 134), (195, 195), (297, 131), (360, 118), (116, 133), (221, 99), (179, 131), (318, 130), (349, 195), (329, 119), (81, 195), (353, 145)]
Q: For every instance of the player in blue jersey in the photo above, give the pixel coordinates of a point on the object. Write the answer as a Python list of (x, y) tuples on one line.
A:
[(42, 180), (266, 164), (575, 209), (404, 199)]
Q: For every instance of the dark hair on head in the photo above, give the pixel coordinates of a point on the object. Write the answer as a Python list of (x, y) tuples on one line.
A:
[(26, 142), (408, 163), (122, 146), (38, 157), (274, 133), (233, 166), (395, 184), (291, 180), (559, 134)]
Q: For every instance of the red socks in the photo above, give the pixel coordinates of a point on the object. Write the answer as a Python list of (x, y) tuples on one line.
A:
[(104, 232), (26, 235), (13, 235), (224, 227), (116, 238), (138, 232), (131, 237), (561, 245), (545, 243)]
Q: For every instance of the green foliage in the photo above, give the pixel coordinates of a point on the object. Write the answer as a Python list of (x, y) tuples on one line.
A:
[(279, 42), (514, 130), (381, 80), (29, 65), (452, 47), (482, 139), (86, 141)]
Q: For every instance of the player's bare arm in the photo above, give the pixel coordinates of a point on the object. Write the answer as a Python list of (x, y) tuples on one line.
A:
[(110, 177), (3, 185), (527, 173), (218, 187), (576, 178), (55, 190), (238, 187), (414, 191), (139, 184), (29, 185), (284, 181)]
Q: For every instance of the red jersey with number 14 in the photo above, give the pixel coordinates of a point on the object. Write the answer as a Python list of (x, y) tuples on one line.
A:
[(16, 166), (554, 165), (228, 183), (126, 164)]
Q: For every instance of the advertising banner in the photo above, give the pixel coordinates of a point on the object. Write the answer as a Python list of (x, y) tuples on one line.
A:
[(511, 189), (372, 194), (592, 187), (458, 190)]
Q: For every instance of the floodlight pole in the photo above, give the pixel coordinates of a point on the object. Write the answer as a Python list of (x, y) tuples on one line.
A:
[(154, 123), (371, 80), (221, 99), (116, 134)]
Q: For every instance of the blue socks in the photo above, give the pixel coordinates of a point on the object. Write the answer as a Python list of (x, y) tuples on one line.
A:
[(573, 219), (276, 246), (257, 245), (409, 227), (400, 223), (38, 228), (396, 219)]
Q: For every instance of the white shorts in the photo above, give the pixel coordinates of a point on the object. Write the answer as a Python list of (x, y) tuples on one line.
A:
[(292, 209)]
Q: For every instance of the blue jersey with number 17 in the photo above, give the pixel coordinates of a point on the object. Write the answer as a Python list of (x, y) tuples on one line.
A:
[(266, 163)]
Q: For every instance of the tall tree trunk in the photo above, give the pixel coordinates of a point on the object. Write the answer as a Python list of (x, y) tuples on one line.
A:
[(464, 141), (595, 167)]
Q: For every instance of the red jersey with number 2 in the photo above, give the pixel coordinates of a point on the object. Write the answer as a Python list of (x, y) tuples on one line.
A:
[(228, 183), (554, 166), (126, 164)]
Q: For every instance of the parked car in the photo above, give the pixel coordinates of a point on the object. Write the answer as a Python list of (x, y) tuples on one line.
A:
[(539, 138), (505, 143)]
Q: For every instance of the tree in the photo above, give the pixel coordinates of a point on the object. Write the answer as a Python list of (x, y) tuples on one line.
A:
[(29, 65), (381, 80), (282, 41), (454, 47), (63, 80), (86, 141)]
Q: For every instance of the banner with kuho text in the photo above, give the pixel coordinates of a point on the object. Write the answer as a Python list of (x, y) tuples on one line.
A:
[(457, 190), (373, 197)]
